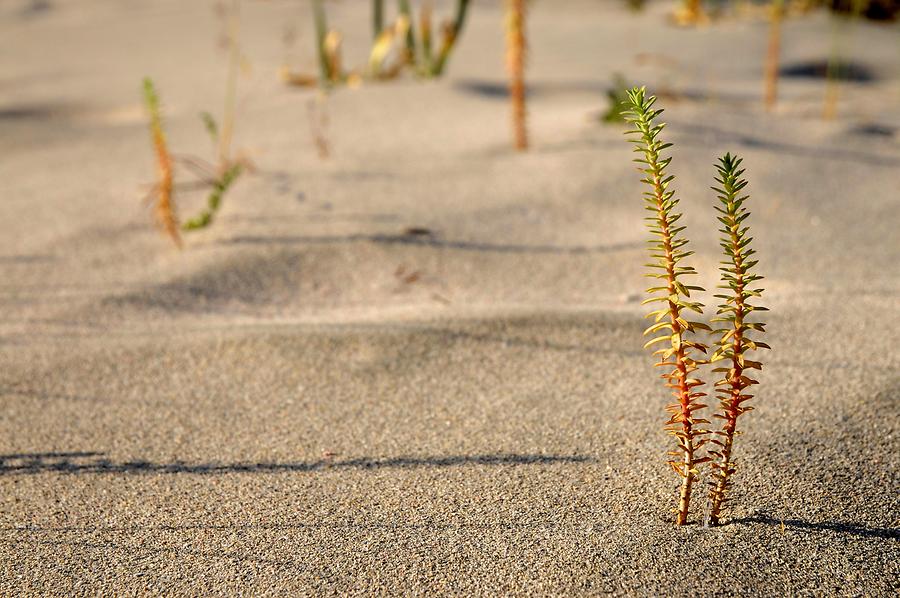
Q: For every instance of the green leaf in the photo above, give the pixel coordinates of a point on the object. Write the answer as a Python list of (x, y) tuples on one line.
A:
[(655, 340), (212, 129)]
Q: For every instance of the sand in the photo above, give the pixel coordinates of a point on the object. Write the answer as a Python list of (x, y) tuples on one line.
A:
[(311, 399)]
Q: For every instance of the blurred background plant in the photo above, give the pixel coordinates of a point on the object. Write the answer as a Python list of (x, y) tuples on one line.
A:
[(221, 176), (163, 190), (841, 28), (702, 12), (515, 64), (690, 12), (405, 40), (405, 43), (844, 13), (773, 51), (617, 97)]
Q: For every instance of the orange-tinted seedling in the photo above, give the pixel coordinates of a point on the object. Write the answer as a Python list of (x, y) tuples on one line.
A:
[(165, 204), (668, 250), (734, 342)]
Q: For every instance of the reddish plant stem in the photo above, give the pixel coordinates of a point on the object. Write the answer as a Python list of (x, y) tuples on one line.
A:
[(681, 389), (736, 385)]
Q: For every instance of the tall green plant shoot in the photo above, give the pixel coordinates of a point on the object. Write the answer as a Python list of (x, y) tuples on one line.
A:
[(678, 352)]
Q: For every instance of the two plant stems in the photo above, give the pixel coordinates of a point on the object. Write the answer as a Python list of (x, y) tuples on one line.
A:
[(430, 64), (733, 344), (423, 59)]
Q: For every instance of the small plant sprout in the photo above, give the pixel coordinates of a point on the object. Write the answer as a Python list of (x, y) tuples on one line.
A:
[(406, 15), (219, 174), (618, 98), (164, 188), (674, 330), (221, 177), (397, 45), (450, 32), (328, 46), (515, 64), (220, 186), (427, 51), (690, 12), (427, 60), (734, 342), (385, 47), (377, 18), (773, 52)]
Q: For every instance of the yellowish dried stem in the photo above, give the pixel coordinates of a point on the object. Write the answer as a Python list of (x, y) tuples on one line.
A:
[(736, 387), (165, 213), (678, 378), (515, 61)]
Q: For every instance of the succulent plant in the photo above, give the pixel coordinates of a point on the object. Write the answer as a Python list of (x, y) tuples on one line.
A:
[(679, 353), (734, 342)]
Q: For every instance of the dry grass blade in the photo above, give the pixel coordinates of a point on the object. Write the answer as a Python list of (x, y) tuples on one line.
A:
[(450, 32), (234, 58)]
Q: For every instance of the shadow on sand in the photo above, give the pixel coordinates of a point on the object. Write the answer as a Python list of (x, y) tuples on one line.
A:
[(95, 463), (428, 240), (818, 69), (701, 134), (852, 529)]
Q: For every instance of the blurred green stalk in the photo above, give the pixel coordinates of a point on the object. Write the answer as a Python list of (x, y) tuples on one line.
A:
[(321, 22), (377, 18)]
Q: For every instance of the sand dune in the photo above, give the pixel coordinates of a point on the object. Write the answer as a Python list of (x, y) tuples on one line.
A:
[(415, 367)]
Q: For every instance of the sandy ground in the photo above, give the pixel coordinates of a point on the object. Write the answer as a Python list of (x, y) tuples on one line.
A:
[(310, 400)]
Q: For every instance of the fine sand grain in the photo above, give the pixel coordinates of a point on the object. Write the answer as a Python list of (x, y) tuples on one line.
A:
[(415, 368)]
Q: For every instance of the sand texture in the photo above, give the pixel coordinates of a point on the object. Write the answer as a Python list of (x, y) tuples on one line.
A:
[(415, 367)]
